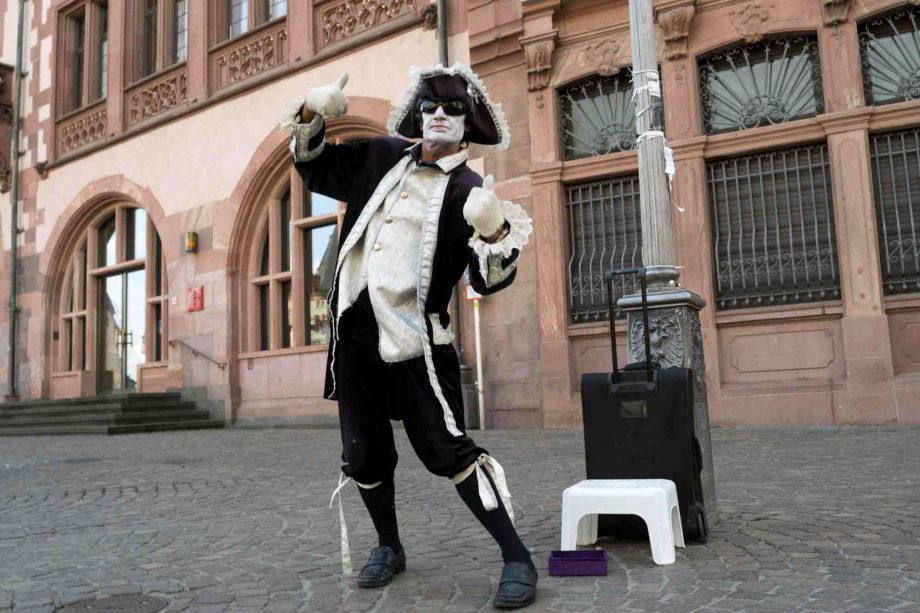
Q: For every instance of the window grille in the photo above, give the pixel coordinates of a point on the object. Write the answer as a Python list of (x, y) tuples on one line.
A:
[(773, 228), (605, 230), (896, 179), (770, 82), (889, 47), (597, 116)]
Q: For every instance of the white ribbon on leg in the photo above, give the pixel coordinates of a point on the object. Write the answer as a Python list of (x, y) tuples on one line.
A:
[(486, 493), (346, 550)]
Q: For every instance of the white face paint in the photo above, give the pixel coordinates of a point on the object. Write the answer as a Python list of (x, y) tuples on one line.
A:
[(443, 129)]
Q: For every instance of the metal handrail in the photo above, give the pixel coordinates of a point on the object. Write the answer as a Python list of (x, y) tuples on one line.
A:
[(220, 365)]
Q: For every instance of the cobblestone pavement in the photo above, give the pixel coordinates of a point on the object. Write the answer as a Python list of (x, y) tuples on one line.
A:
[(236, 520)]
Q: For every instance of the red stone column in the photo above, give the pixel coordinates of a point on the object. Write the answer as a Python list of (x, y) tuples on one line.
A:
[(867, 345), (197, 51), (538, 41), (300, 31)]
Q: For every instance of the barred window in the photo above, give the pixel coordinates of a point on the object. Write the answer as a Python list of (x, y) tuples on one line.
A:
[(889, 47), (896, 179), (766, 83), (605, 233), (773, 228), (597, 116)]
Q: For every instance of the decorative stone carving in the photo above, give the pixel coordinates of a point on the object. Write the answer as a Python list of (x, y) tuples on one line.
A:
[(749, 20), (82, 130), (665, 338), (835, 11), (430, 17), (538, 55), (251, 57), (697, 362), (601, 57), (157, 98), (341, 20), (675, 26), (6, 177)]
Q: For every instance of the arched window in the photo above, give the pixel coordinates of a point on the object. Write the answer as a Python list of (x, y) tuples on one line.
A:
[(291, 267), (889, 46), (597, 117), (760, 84), (112, 311)]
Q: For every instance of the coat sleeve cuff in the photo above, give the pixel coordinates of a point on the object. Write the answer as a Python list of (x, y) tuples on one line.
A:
[(490, 255), (304, 142)]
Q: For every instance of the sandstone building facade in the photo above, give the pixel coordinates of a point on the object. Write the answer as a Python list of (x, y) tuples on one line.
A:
[(794, 127)]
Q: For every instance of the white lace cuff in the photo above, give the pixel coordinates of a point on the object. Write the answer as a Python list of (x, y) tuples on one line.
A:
[(490, 254), (301, 133), (291, 113)]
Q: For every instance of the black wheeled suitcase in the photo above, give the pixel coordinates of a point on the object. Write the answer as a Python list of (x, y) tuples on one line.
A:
[(639, 425)]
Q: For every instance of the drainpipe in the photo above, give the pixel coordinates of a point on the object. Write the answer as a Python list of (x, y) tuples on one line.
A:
[(444, 59), (14, 202), (442, 32)]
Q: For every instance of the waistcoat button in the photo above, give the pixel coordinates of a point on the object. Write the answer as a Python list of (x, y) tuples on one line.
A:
[(376, 246), (404, 195), (388, 219)]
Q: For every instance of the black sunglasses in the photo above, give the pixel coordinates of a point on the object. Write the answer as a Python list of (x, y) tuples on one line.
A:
[(451, 107)]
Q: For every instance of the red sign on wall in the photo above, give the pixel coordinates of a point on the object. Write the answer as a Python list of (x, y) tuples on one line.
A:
[(195, 299)]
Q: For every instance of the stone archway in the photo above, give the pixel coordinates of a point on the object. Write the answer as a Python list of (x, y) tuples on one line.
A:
[(104, 304)]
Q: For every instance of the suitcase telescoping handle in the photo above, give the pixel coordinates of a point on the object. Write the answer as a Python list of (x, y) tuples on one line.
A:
[(613, 339)]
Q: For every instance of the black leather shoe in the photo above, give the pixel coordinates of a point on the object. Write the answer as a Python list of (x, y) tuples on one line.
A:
[(381, 566), (518, 586)]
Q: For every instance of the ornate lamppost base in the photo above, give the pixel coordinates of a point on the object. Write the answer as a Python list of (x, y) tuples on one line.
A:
[(676, 340)]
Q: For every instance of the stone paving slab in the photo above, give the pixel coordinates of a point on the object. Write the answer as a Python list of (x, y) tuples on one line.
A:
[(238, 520)]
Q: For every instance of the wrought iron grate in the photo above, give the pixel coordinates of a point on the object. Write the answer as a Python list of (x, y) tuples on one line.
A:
[(597, 116), (765, 83), (896, 179), (773, 228), (605, 230), (889, 48)]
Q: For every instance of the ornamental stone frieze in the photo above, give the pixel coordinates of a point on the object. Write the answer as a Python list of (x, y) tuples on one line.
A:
[(675, 28), (603, 57), (79, 131), (337, 21), (751, 20), (156, 98), (835, 11), (251, 57)]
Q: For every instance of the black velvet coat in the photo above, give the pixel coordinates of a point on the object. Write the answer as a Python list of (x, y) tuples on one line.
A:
[(350, 172)]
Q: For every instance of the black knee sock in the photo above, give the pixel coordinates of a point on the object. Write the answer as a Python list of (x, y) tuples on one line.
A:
[(496, 521), (381, 504)]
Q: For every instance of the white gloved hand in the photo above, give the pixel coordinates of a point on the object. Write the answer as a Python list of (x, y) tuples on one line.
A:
[(483, 209), (328, 100)]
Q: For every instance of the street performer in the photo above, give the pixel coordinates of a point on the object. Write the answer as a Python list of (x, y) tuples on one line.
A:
[(416, 216)]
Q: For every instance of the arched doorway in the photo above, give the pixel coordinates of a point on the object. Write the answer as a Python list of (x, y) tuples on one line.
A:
[(111, 305)]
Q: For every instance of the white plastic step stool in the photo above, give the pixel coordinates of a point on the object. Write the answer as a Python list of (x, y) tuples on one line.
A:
[(654, 500)]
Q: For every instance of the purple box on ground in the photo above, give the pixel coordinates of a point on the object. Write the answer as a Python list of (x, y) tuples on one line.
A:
[(587, 562)]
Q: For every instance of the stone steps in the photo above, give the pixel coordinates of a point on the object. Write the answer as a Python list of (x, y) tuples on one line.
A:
[(110, 414)]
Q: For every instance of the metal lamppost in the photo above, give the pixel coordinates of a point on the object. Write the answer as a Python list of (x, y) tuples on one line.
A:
[(674, 323)]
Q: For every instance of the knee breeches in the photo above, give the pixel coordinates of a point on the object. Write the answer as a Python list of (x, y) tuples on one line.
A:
[(373, 392)]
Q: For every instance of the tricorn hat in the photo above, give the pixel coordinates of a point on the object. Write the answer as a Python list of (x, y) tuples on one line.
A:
[(459, 82)]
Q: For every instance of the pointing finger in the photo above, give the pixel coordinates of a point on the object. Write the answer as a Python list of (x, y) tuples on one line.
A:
[(342, 81)]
